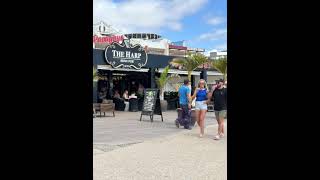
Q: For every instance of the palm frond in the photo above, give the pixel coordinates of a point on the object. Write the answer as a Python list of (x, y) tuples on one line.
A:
[(191, 62), (164, 77), (220, 65)]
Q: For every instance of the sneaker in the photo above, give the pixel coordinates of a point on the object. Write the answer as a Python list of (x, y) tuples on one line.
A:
[(177, 124), (201, 135), (221, 135), (217, 137)]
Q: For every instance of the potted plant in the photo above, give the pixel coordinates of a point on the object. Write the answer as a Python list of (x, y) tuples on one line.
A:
[(161, 82)]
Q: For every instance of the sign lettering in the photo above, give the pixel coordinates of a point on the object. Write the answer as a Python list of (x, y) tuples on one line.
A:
[(126, 56)]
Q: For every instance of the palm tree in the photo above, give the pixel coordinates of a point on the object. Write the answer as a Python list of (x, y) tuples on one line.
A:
[(95, 73), (221, 66), (163, 79), (190, 63)]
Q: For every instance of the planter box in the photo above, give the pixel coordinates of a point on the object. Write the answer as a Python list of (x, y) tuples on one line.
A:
[(164, 105), (172, 104)]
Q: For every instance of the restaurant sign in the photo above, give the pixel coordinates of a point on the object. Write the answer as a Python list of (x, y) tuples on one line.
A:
[(107, 39), (125, 55)]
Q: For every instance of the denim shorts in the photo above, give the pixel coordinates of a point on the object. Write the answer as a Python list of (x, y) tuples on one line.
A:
[(201, 105)]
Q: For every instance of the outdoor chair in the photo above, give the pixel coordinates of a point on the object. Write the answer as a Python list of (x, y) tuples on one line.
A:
[(119, 104), (105, 106)]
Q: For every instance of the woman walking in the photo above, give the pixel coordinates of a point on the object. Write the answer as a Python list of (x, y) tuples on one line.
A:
[(201, 95)]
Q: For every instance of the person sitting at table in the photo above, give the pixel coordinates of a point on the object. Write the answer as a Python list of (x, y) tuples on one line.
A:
[(125, 95), (116, 94)]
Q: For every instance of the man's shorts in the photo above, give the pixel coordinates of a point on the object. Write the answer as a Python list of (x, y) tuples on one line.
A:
[(201, 105), (220, 114)]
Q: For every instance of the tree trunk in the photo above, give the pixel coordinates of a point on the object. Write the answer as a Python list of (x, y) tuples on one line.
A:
[(163, 103), (189, 75), (161, 94)]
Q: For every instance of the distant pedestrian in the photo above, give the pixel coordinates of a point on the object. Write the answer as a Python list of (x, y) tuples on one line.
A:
[(219, 97), (185, 105)]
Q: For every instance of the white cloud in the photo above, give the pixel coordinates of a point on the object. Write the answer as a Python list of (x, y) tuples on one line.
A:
[(214, 35), (216, 20), (144, 16)]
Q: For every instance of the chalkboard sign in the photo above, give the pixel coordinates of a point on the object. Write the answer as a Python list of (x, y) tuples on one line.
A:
[(151, 100)]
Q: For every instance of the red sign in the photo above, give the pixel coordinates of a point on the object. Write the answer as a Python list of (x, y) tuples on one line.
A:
[(107, 39), (177, 47)]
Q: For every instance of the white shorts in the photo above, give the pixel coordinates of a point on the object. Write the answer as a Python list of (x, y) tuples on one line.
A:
[(201, 105)]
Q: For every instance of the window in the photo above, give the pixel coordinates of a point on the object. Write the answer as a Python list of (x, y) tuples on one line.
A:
[(139, 36), (143, 36)]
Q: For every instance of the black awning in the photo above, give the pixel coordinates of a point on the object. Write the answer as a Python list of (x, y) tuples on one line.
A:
[(154, 60)]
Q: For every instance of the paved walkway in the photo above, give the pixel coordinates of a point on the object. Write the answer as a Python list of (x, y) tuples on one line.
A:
[(126, 128), (179, 156)]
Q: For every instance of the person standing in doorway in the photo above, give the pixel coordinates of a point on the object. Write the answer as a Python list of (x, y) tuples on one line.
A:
[(219, 96), (185, 105), (140, 90), (201, 95)]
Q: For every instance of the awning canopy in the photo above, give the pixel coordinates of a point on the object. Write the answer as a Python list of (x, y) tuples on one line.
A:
[(176, 71), (108, 67)]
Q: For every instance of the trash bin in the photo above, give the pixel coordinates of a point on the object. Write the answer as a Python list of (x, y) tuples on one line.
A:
[(133, 105)]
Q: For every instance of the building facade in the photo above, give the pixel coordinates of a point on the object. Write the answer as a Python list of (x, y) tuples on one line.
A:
[(119, 75)]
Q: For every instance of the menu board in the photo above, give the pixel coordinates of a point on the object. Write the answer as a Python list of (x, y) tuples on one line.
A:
[(151, 100)]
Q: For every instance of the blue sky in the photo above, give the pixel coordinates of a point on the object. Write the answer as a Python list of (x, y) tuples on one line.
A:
[(202, 23)]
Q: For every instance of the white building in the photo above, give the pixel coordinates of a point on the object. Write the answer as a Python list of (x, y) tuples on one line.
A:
[(218, 54), (104, 34)]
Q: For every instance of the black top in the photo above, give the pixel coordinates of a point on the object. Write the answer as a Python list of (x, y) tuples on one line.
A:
[(220, 99)]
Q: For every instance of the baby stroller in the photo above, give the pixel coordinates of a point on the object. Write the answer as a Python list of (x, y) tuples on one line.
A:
[(185, 121)]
